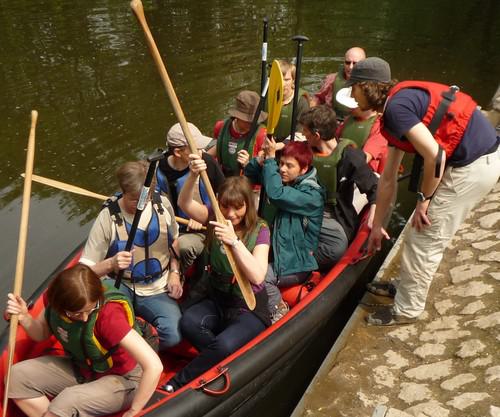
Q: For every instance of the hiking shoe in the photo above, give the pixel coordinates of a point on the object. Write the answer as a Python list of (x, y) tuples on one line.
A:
[(385, 289), (281, 309), (386, 317)]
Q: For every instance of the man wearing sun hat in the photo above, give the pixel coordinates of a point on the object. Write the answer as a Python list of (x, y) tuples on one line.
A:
[(363, 128), (171, 175), (461, 164), (234, 149)]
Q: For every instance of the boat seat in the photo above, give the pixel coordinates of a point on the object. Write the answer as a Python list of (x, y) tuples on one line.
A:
[(292, 295)]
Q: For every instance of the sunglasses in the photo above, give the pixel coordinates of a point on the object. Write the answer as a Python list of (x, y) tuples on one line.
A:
[(79, 314)]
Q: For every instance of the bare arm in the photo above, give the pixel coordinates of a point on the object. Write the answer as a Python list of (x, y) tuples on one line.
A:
[(37, 329), (425, 144), (386, 192), (151, 365), (192, 208)]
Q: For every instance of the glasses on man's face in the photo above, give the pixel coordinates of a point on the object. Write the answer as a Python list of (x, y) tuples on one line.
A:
[(350, 62), (79, 314)]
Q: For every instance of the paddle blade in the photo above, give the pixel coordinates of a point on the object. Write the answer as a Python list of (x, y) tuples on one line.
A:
[(274, 97)]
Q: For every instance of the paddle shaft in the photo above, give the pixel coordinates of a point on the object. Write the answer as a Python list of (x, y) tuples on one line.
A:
[(243, 283), (141, 205), (82, 191), (21, 252), (263, 74), (298, 64)]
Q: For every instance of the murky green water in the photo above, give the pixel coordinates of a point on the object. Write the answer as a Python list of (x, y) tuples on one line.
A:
[(85, 67)]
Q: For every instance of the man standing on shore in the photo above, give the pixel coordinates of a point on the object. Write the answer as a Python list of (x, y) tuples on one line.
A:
[(461, 164)]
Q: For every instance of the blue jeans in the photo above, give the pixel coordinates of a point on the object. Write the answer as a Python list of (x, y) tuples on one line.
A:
[(161, 311), (203, 325)]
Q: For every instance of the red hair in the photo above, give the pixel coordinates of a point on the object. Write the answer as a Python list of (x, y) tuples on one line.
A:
[(300, 151)]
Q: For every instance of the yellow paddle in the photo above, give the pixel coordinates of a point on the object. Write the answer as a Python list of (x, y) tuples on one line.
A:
[(82, 191), (274, 97), (243, 283), (21, 253), (274, 105)]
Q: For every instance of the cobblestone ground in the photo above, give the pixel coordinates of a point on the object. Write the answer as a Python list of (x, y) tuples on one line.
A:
[(445, 365)]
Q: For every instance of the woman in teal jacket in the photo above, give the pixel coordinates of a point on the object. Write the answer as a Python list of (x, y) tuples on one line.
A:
[(292, 188)]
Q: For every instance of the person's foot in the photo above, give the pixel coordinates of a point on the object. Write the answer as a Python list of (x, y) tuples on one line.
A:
[(385, 289), (281, 309), (385, 316)]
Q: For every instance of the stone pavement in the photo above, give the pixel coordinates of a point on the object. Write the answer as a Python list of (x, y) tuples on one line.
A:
[(445, 365)]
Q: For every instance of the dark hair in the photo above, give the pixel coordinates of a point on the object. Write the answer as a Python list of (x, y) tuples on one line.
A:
[(236, 192), (300, 151), (320, 119), (376, 92), (73, 288)]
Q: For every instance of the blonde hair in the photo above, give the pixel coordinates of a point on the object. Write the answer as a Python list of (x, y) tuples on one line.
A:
[(286, 66)]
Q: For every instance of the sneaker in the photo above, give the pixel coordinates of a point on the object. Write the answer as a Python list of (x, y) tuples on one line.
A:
[(281, 309), (385, 289), (386, 317)]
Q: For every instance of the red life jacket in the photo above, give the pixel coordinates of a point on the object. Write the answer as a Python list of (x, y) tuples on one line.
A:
[(452, 126)]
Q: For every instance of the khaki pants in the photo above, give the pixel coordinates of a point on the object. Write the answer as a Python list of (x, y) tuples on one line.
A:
[(53, 376), (459, 191)]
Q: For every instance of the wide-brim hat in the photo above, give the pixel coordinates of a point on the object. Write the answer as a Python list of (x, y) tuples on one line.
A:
[(176, 138), (370, 69), (245, 106), (343, 96)]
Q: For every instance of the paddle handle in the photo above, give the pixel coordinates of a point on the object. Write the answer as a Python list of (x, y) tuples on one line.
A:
[(138, 9), (298, 64), (21, 253)]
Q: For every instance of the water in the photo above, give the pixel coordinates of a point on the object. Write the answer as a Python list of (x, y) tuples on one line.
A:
[(86, 68)]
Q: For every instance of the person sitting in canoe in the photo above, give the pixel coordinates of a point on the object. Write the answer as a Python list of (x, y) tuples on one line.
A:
[(231, 134), (152, 277), (294, 189), (220, 323), (172, 173), (108, 366), (340, 165), (284, 126)]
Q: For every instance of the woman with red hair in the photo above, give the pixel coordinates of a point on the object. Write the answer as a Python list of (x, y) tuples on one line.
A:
[(293, 188)]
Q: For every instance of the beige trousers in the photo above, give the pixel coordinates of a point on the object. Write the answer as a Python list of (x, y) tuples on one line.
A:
[(459, 191)]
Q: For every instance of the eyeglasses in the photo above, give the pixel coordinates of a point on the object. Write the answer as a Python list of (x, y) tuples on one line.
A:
[(79, 314), (350, 62)]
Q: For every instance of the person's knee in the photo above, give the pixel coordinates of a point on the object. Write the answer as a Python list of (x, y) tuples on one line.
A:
[(169, 334)]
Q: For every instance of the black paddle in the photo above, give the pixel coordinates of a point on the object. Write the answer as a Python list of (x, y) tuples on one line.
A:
[(141, 205), (298, 63), (263, 75)]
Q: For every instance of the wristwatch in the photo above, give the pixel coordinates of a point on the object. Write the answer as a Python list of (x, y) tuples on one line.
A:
[(421, 197), (235, 242)]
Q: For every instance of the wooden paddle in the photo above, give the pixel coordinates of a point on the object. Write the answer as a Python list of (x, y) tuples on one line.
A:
[(82, 191), (274, 105), (138, 9), (21, 253)]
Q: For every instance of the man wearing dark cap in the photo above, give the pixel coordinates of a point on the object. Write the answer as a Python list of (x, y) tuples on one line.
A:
[(461, 164), (234, 148)]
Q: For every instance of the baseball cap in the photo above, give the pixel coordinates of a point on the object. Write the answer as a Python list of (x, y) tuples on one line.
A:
[(370, 69), (176, 138)]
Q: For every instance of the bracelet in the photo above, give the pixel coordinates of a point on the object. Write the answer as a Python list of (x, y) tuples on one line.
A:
[(235, 242), (175, 271)]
